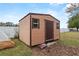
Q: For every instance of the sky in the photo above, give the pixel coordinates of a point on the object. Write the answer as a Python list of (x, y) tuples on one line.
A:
[(13, 12)]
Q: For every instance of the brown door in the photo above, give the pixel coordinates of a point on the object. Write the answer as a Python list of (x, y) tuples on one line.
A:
[(48, 30)]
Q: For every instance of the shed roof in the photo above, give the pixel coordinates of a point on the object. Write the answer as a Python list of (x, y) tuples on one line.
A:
[(38, 14)]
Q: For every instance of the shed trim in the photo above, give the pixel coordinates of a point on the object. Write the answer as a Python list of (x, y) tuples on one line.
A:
[(38, 14), (30, 33)]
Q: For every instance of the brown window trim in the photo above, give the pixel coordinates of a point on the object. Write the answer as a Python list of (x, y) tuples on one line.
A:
[(38, 24), (57, 26)]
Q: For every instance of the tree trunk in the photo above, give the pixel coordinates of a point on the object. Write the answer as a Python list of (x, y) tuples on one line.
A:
[(77, 29)]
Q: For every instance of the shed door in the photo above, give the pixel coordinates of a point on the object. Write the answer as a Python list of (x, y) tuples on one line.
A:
[(48, 30)]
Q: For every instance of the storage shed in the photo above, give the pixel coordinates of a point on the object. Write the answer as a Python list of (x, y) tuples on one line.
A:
[(35, 28)]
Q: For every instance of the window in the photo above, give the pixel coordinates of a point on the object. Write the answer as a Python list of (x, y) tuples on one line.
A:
[(57, 26), (35, 23)]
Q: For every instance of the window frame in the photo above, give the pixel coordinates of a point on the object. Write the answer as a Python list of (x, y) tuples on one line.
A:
[(57, 26), (38, 23)]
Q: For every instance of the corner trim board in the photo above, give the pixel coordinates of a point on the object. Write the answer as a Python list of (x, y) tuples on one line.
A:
[(30, 33)]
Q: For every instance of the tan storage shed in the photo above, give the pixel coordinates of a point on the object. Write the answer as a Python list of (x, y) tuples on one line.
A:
[(35, 28)]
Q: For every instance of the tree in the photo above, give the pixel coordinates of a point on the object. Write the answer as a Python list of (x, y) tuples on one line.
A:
[(74, 22), (9, 24), (72, 8), (73, 11), (2, 24)]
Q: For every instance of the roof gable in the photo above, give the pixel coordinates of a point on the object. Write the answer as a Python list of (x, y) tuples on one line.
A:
[(38, 14)]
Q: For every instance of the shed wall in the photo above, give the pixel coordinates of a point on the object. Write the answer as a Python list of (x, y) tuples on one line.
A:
[(38, 35), (24, 30), (56, 31)]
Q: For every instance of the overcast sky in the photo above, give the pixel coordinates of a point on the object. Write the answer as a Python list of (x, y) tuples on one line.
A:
[(14, 12)]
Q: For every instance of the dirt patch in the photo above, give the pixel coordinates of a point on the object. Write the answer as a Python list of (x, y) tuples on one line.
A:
[(56, 49)]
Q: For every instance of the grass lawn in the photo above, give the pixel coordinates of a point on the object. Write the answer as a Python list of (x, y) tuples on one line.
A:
[(19, 50), (66, 38), (69, 38)]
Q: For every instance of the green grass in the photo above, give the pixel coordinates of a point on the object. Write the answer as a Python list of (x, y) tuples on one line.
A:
[(69, 38), (19, 50)]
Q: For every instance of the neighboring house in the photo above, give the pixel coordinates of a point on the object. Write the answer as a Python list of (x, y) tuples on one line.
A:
[(35, 28)]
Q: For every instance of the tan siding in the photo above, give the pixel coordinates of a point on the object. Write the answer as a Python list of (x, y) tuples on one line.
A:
[(38, 34), (25, 30), (56, 31)]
